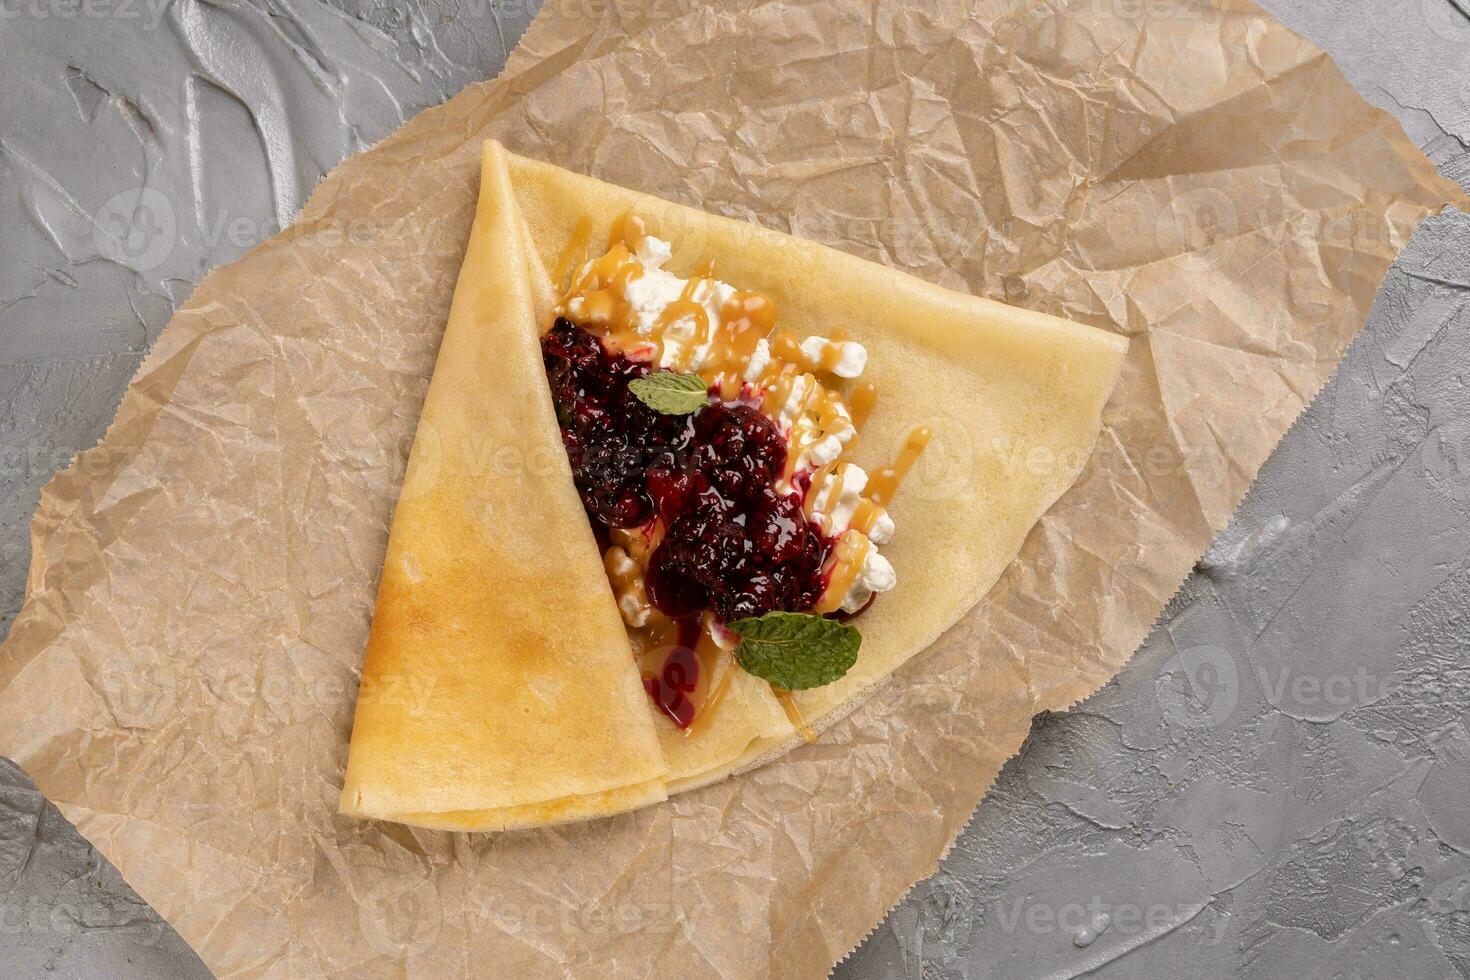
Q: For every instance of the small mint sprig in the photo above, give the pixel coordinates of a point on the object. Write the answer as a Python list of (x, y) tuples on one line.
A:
[(796, 651), (670, 393)]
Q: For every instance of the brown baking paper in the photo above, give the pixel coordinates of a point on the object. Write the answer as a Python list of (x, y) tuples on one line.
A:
[(182, 676)]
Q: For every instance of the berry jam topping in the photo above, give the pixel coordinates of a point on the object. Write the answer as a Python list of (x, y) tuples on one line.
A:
[(613, 440), (732, 543)]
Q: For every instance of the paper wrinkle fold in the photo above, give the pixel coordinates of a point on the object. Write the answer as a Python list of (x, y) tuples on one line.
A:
[(1206, 183)]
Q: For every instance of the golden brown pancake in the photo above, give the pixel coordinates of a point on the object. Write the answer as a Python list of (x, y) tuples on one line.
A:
[(493, 586)]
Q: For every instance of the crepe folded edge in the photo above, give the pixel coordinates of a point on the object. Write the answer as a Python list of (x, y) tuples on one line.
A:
[(499, 690)]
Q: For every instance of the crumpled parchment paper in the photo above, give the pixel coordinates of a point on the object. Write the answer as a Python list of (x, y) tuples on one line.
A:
[(181, 679)]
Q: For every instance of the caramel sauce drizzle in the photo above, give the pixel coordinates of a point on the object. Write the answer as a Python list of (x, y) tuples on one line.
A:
[(793, 715), (745, 318), (824, 404), (883, 486), (786, 348), (679, 309), (712, 688), (827, 482), (854, 546), (860, 405), (847, 564)]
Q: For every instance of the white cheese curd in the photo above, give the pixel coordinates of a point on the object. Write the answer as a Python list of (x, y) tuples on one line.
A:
[(653, 252), (824, 451), (852, 357), (816, 449), (636, 612), (877, 575), (838, 513), (883, 529), (760, 359), (788, 413), (649, 293)]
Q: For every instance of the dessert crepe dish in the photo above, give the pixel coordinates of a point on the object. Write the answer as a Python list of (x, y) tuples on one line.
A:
[(651, 531)]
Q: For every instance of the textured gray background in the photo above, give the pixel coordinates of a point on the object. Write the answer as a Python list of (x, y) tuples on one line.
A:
[(1276, 786)]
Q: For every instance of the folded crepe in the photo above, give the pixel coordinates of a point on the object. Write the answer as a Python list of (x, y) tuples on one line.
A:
[(525, 704)]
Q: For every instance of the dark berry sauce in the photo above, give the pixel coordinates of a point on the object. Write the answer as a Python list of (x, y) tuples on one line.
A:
[(678, 677), (732, 543)]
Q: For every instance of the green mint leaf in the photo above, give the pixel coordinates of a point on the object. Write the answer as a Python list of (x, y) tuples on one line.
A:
[(796, 651), (671, 394)]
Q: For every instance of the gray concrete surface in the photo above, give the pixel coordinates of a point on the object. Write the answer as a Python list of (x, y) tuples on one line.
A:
[(1276, 786)]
